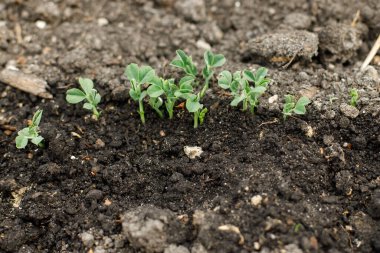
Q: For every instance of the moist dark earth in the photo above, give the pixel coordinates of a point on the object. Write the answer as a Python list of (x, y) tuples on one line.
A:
[(262, 184)]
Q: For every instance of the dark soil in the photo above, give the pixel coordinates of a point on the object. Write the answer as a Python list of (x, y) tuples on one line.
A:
[(262, 184)]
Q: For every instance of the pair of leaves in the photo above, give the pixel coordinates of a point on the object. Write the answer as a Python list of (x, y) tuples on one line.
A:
[(74, 96), (298, 107), (30, 133), (185, 62), (258, 77), (354, 97), (140, 75), (214, 60)]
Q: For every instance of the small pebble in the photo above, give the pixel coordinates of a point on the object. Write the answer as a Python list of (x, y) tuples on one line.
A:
[(87, 239), (102, 22), (256, 200), (41, 24)]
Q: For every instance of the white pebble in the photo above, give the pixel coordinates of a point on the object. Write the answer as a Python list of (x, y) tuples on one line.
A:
[(41, 24), (102, 22)]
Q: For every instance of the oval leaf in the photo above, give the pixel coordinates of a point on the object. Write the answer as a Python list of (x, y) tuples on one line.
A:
[(74, 96), (86, 84)]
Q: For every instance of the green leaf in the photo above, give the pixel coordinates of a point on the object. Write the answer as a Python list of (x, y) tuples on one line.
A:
[(300, 105), (303, 101), (97, 98), (155, 102), (132, 72), (182, 56), (142, 95), (134, 95), (37, 118), (74, 96), (88, 106), (186, 81), (202, 115), (177, 63), (155, 91), (193, 105), (225, 79), (258, 90), (37, 140), (237, 100), (146, 74), (261, 74), (86, 84), (289, 99), (214, 60), (21, 142), (249, 75)]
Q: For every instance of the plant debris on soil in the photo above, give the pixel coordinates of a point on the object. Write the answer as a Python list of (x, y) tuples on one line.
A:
[(257, 183)]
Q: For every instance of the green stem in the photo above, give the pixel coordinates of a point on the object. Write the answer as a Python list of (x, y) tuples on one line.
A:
[(170, 108), (141, 111), (245, 104), (205, 88), (196, 117), (95, 112)]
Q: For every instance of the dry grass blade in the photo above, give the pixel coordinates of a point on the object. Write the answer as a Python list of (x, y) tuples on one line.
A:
[(371, 54)]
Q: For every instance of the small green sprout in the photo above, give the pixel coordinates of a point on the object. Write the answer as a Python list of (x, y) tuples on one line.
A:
[(185, 62), (291, 106), (139, 76), (354, 97), (193, 104), (88, 93), (239, 85), (212, 61), (30, 133), (168, 88)]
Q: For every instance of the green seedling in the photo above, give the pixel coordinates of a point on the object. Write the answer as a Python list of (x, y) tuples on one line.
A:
[(212, 61), (30, 133), (88, 93), (354, 97), (193, 104), (185, 62), (291, 106), (139, 76), (239, 85), (161, 87)]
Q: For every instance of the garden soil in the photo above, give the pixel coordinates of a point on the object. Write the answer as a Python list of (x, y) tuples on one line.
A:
[(262, 184)]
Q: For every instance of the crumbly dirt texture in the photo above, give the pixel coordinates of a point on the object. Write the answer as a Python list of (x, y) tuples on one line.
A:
[(261, 184)]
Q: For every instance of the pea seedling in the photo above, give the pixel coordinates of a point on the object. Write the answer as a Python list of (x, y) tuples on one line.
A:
[(30, 133), (161, 87), (354, 97), (193, 104), (138, 76), (239, 85), (212, 61), (88, 93), (291, 106), (185, 62)]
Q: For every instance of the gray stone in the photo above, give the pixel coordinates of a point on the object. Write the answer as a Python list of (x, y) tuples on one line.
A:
[(298, 20), (87, 239), (146, 228), (339, 42), (176, 249), (369, 78), (292, 248), (349, 110), (94, 194), (192, 10), (281, 47)]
